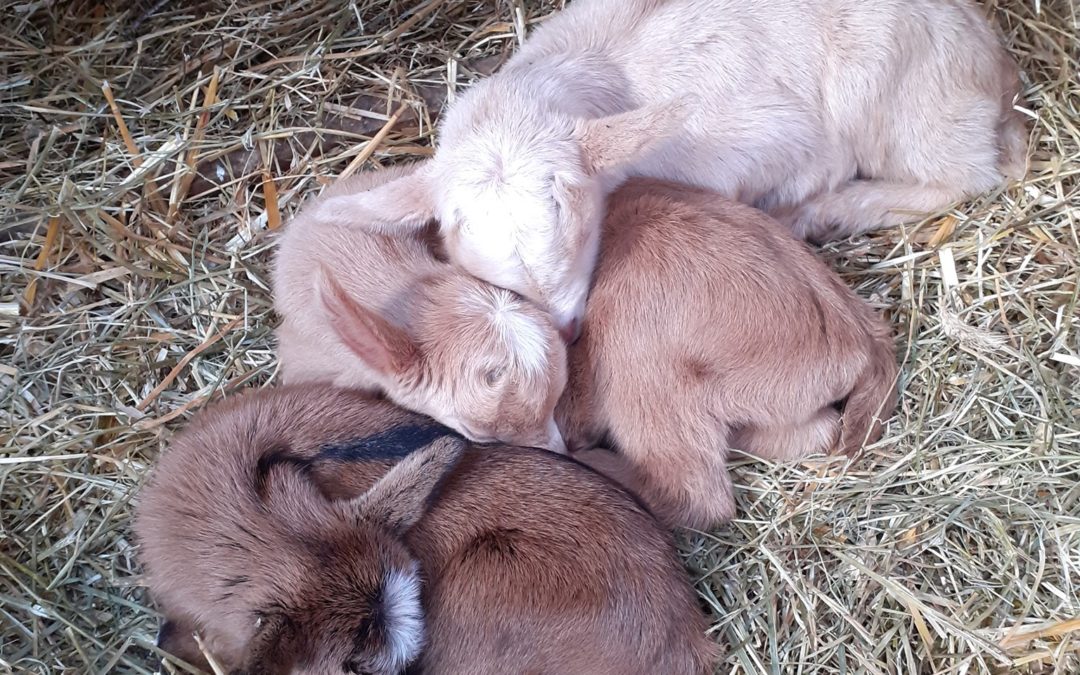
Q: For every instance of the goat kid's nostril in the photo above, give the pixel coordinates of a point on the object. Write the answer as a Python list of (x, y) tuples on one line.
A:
[(571, 331)]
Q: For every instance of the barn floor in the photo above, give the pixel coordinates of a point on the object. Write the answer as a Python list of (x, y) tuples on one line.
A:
[(148, 149)]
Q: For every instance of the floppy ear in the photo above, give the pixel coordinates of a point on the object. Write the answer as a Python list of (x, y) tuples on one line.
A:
[(272, 650), (608, 143), (383, 346), (403, 495), (401, 206)]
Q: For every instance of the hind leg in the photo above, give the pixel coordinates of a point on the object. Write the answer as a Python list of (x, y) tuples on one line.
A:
[(933, 152), (819, 434), (707, 500), (612, 464), (676, 463), (861, 205)]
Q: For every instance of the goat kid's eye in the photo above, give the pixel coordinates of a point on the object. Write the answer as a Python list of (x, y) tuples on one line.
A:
[(494, 376), (558, 208)]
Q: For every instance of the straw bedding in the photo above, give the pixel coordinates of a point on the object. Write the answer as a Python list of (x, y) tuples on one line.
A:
[(148, 149)]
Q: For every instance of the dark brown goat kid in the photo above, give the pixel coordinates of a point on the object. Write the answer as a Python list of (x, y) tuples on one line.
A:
[(297, 532)]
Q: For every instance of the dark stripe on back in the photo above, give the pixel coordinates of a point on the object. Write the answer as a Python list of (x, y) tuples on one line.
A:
[(394, 443)]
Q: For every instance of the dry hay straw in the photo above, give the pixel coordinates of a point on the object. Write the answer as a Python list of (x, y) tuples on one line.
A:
[(148, 149)]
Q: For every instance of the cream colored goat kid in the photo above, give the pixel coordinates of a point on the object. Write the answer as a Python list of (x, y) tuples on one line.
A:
[(835, 117)]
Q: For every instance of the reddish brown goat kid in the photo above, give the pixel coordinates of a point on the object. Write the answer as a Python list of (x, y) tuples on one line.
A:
[(710, 327), (298, 532)]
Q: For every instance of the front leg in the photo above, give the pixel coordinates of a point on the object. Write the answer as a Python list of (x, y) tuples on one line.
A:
[(611, 464), (578, 413)]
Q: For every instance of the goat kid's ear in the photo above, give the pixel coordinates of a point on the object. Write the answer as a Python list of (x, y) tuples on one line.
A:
[(384, 347), (401, 206), (609, 143), (400, 498)]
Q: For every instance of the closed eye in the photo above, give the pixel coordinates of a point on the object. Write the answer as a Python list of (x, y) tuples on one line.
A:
[(557, 204)]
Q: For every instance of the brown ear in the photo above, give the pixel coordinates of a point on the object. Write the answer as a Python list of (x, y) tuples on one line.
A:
[(608, 143), (401, 206), (403, 495), (272, 650), (383, 346)]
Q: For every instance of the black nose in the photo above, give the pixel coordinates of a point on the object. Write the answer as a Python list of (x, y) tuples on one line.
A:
[(571, 331)]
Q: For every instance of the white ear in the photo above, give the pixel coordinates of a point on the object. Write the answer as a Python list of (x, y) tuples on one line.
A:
[(608, 143), (402, 206)]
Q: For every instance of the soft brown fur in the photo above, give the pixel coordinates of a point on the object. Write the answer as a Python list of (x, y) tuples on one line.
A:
[(709, 327), (270, 508)]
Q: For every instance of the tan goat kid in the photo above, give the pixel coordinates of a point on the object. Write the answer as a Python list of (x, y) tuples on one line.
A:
[(709, 327), (382, 314)]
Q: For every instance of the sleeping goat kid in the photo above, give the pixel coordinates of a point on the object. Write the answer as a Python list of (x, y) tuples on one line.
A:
[(835, 117), (298, 531), (380, 313), (709, 327)]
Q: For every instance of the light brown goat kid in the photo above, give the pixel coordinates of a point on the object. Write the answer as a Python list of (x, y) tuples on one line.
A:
[(709, 327), (382, 314), (298, 532)]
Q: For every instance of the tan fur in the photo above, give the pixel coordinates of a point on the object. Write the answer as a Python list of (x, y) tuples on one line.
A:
[(268, 524), (708, 327), (381, 313)]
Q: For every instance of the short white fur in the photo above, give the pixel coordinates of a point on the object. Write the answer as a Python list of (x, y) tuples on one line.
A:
[(404, 616), (523, 336)]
